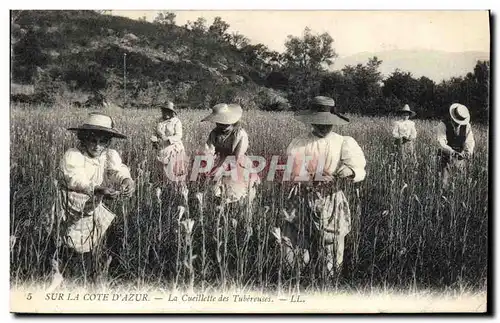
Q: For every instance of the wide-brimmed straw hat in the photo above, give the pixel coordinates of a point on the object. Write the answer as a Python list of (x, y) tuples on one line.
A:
[(406, 110), (168, 106), (99, 122), (225, 113), (459, 113), (322, 111)]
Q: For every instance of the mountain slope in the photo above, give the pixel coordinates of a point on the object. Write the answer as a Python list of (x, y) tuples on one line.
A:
[(87, 51)]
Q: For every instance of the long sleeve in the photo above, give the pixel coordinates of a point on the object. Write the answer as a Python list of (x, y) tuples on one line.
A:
[(209, 144), (242, 144), (177, 136), (115, 167), (413, 132), (352, 156), (441, 138), (295, 150), (469, 142), (74, 174), (160, 131), (395, 130)]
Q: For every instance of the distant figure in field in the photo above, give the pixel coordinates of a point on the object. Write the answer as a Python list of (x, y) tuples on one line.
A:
[(167, 140), (327, 216), (96, 100), (228, 141), (90, 173), (456, 142), (405, 134)]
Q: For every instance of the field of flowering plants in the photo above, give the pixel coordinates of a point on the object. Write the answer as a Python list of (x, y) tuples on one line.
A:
[(406, 233)]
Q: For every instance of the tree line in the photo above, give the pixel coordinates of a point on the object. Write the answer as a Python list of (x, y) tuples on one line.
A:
[(300, 72)]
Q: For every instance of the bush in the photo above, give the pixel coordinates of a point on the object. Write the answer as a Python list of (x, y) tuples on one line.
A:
[(273, 100)]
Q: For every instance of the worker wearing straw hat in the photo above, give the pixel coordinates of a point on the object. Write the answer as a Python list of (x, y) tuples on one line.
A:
[(229, 139), (456, 142), (89, 174), (404, 132), (327, 217), (167, 139)]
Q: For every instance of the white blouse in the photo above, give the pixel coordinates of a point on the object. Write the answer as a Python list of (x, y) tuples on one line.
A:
[(81, 173), (335, 152), (404, 129), (170, 130)]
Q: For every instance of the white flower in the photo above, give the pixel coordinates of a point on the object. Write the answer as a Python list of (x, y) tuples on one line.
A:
[(181, 209), (404, 186), (199, 197), (188, 225), (289, 217), (13, 240), (277, 234), (287, 241), (185, 193), (57, 277), (158, 194)]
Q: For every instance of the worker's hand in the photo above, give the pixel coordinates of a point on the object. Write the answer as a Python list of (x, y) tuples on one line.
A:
[(106, 192), (345, 172), (127, 187)]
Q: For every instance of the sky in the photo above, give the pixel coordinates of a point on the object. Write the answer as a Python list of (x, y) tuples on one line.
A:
[(354, 31)]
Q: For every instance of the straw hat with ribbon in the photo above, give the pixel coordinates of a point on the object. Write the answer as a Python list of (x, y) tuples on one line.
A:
[(406, 110), (322, 111), (459, 113), (225, 113), (99, 122)]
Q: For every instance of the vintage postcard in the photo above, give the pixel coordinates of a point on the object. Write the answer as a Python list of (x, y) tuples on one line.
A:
[(213, 162)]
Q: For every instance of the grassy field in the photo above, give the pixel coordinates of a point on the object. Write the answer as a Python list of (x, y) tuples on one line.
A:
[(406, 235)]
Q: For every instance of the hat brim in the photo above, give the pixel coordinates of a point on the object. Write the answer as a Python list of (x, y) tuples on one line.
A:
[(409, 112), (458, 121), (323, 118), (167, 108), (112, 132), (224, 118)]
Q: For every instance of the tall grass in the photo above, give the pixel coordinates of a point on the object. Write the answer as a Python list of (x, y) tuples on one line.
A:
[(405, 234)]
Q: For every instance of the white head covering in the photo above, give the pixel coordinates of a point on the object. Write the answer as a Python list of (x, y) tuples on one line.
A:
[(459, 113), (225, 113)]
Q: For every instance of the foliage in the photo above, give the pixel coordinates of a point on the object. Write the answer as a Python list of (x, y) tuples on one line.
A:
[(218, 29), (305, 61), (27, 56), (309, 52), (361, 89), (165, 18), (238, 40), (85, 49)]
